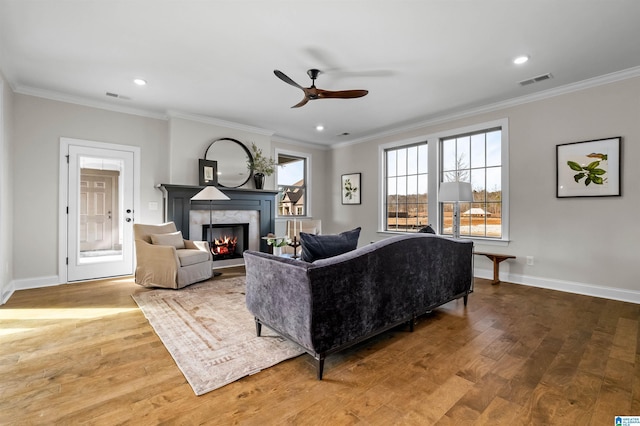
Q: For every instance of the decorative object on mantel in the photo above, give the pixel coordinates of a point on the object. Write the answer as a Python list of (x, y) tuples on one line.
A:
[(588, 169), (231, 155), (208, 172), (350, 188), (210, 193), (260, 165)]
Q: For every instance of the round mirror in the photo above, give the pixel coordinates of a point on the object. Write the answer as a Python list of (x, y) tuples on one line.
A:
[(232, 157)]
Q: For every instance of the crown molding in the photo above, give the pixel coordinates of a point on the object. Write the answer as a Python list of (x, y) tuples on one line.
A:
[(63, 97), (218, 122), (534, 97), (280, 139)]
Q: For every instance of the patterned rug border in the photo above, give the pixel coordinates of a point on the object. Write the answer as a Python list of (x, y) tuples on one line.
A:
[(213, 343)]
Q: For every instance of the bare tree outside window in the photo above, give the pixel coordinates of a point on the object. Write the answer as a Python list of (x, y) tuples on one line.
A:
[(407, 177), (474, 158)]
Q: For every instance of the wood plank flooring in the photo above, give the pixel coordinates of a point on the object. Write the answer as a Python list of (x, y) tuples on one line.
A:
[(516, 355)]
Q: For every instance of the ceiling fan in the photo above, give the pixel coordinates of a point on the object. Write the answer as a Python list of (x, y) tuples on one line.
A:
[(311, 93)]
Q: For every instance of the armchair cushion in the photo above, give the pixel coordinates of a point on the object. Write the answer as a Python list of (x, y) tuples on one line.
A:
[(171, 239), (191, 257), (316, 247)]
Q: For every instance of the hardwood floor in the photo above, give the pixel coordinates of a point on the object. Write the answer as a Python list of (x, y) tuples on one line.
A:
[(84, 353)]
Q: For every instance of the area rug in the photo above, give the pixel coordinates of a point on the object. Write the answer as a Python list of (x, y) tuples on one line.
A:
[(210, 334)]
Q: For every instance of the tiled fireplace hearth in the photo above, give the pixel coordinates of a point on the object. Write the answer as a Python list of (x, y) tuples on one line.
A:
[(255, 207)]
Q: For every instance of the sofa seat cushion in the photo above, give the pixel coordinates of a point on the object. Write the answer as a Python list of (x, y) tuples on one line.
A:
[(191, 256), (315, 247), (171, 239)]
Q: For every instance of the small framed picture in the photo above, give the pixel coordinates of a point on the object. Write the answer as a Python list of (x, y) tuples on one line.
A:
[(351, 188), (208, 172), (589, 168)]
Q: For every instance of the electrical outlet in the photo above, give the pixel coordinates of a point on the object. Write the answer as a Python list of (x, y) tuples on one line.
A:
[(530, 260)]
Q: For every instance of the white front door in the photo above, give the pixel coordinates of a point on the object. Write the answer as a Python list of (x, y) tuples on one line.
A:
[(100, 197)]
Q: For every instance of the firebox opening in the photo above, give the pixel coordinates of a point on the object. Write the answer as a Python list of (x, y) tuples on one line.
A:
[(227, 240)]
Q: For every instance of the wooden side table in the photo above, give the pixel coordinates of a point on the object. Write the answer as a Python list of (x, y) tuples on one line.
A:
[(496, 258)]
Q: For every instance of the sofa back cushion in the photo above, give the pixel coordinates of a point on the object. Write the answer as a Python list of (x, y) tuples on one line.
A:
[(316, 247)]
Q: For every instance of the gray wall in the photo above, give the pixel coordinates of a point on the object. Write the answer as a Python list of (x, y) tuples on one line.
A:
[(38, 125), (6, 189), (582, 245), (585, 245)]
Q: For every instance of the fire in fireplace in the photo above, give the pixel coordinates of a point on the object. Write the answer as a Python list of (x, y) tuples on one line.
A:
[(228, 240), (224, 246)]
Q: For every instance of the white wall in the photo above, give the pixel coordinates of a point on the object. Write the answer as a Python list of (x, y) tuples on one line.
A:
[(189, 139), (6, 190), (38, 125), (584, 245)]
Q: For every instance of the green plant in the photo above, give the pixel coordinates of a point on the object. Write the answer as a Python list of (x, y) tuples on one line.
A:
[(261, 163), (591, 171)]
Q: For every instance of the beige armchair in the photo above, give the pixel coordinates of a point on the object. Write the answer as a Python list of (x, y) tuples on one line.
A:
[(311, 226), (165, 259)]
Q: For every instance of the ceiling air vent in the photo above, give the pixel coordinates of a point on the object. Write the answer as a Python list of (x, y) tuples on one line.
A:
[(537, 79), (115, 95)]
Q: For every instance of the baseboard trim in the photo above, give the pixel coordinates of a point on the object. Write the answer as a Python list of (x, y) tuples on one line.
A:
[(29, 283), (7, 293), (565, 286)]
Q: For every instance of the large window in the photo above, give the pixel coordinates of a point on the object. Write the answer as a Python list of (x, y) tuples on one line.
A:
[(413, 169), (407, 178), (292, 185), (477, 158)]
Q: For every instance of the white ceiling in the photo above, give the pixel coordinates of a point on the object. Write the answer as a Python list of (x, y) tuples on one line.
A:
[(420, 60)]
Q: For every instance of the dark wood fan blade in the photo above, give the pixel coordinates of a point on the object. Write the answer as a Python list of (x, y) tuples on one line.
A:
[(341, 94), (301, 103), (282, 76)]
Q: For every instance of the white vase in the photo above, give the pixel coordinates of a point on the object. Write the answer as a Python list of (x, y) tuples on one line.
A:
[(277, 251)]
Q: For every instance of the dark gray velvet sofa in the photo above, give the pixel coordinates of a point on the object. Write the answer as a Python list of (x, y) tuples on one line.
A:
[(333, 303)]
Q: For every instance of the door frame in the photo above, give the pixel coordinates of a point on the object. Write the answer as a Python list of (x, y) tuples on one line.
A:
[(63, 190)]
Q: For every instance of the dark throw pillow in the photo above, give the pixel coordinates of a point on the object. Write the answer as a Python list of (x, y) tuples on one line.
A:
[(316, 247), (427, 230)]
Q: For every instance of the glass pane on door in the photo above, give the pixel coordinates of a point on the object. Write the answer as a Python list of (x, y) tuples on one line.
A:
[(100, 222)]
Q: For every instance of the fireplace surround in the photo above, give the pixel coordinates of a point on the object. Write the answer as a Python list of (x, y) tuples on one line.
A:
[(177, 206)]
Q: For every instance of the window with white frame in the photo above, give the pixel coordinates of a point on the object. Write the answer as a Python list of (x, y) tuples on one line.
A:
[(406, 204), (292, 183), (475, 157)]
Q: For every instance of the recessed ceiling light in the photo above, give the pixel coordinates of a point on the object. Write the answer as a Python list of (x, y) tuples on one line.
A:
[(319, 127), (140, 82), (521, 60)]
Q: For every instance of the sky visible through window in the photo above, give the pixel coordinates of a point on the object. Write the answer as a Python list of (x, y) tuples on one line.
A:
[(290, 173)]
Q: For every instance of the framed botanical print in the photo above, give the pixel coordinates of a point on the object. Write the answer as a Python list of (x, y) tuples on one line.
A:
[(350, 188), (208, 172), (589, 168)]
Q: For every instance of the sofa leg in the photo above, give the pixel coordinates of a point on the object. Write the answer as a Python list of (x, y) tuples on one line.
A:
[(258, 327), (466, 297), (412, 323), (319, 366)]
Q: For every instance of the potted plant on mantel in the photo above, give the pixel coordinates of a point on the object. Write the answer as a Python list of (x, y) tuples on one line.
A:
[(261, 166)]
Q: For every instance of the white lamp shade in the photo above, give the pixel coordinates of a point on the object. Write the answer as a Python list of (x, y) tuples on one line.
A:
[(455, 191), (210, 193)]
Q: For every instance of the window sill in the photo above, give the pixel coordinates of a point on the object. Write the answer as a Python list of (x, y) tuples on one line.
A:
[(476, 240)]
